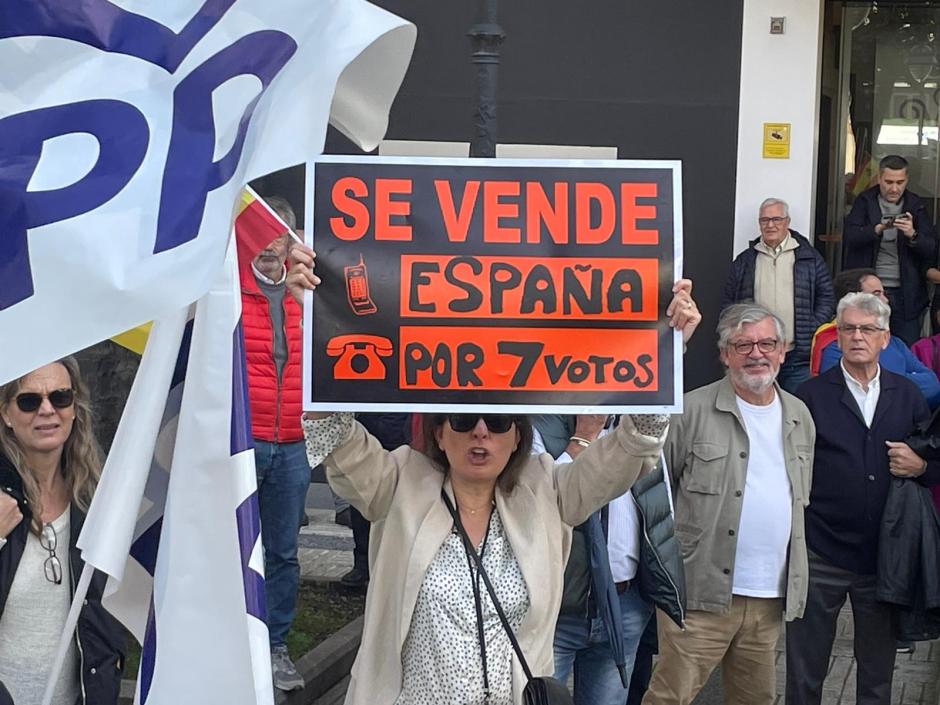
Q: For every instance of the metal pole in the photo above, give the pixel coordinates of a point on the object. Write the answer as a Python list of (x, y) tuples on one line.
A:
[(486, 36)]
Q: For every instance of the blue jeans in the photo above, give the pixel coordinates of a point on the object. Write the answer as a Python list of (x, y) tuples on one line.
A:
[(792, 374), (283, 479), (583, 644)]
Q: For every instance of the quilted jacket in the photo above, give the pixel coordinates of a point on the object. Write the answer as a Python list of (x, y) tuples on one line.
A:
[(276, 404), (813, 299)]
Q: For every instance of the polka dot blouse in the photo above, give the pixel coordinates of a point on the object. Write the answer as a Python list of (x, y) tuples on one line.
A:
[(441, 656)]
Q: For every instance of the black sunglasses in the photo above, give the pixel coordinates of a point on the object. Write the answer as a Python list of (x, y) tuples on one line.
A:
[(496, 423), (28, 402)]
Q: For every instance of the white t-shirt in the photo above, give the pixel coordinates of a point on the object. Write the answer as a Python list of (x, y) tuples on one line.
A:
[(760, 562), (32, 623)]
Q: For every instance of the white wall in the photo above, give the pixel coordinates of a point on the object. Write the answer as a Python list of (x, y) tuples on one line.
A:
[(780, 77)]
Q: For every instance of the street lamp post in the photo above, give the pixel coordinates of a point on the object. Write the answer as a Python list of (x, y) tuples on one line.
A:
[(486, 36)]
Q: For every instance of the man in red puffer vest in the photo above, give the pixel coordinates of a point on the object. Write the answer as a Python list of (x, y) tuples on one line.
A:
[(273, 346)]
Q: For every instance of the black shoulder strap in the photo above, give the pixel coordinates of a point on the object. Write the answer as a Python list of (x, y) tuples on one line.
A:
[(472, 552)]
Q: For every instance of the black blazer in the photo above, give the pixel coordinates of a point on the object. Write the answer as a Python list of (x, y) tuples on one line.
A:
[(850, 469)]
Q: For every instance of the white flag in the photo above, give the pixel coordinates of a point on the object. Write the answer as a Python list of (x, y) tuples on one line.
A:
[(128, 129), (192, 589)]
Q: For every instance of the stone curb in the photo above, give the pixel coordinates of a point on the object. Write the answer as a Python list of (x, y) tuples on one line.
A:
[(325, 665)]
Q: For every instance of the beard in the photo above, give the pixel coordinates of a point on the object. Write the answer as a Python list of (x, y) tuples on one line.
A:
[(755, 383)]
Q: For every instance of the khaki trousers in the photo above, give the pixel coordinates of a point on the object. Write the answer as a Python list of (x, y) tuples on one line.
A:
[(742, 641)]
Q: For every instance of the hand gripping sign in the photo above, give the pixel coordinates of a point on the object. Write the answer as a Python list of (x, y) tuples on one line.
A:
[(125, 139), (469, 284)]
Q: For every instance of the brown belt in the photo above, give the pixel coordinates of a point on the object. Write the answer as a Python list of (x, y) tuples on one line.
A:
[(623, 586)]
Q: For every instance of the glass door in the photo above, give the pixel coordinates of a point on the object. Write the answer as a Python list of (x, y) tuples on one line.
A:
[(889, 100)]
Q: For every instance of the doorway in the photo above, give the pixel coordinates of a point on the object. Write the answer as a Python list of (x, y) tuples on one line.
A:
[(884, 62)]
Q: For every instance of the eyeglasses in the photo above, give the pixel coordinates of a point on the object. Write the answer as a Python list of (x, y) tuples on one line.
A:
[(496, 423), (28, 402), (51, 567), (776, 220), (744, 347), (866, 330)]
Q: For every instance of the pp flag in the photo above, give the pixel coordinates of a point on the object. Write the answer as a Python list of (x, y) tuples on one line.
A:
[(192, 587), (128, 130)]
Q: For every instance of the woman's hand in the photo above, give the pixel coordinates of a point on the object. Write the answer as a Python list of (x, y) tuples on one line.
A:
[(300, 276), (683, 314), (10, 515)]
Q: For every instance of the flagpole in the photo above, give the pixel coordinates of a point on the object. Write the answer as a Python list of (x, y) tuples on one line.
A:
[(65, 640)]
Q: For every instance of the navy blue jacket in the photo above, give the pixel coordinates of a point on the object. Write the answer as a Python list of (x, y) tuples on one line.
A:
[(850, 470), (860, 245), (813, 298)]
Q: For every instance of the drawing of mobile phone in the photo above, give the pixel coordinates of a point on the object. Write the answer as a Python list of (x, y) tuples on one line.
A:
[(357, 289)]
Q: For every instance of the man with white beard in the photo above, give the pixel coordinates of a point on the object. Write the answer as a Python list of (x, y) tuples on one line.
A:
[(740, 459)]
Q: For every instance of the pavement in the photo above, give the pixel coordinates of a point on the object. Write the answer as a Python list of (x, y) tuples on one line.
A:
[(326, 554), (325, 548)]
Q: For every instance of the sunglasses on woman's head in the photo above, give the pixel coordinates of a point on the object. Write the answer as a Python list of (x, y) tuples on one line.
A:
[(28, 402), (496, 423)]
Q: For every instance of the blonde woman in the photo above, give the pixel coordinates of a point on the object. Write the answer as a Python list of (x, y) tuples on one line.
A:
[(49, 466)]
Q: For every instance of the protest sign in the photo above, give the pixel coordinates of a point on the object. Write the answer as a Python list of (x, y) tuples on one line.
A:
[(460, 284)]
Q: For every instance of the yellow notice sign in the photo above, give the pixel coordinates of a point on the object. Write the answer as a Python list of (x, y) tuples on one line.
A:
[(776, 140)]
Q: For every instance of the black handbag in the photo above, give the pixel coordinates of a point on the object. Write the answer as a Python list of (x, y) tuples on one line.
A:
[(542, 690)]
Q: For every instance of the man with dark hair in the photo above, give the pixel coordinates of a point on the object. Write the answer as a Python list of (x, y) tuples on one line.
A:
[(896, 357), (889, 230), (271, 325), (782, 271)]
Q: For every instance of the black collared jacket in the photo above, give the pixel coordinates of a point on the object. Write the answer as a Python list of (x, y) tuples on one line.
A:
[(860, 245), (99, 637)]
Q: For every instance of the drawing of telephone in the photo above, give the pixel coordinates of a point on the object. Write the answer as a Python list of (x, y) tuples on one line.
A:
[(357, 289), (359, 356)]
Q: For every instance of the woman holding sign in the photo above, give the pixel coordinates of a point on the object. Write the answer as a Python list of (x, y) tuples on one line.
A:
[(432, 633)]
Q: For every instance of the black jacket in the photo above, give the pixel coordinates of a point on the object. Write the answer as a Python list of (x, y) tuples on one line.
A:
[(660, 572), (909, 560), (99, 636), (813, 299), (860, 245)]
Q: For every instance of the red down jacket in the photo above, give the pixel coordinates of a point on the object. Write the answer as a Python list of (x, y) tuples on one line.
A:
[(275, 405)]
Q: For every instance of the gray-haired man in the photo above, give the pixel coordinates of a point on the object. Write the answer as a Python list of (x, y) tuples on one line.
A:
[(739, 459), (782, 271), (865, 412)]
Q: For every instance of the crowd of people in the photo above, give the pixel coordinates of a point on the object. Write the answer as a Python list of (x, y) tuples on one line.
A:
[(505, 552)]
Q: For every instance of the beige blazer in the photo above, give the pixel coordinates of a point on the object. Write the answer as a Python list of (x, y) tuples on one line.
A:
[(400, 493)]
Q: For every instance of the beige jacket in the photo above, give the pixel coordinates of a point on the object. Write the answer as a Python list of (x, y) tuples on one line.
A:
[(400, 493), (706, 453)]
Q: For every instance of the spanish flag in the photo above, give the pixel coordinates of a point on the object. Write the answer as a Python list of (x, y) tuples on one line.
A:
[(256, 225)]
